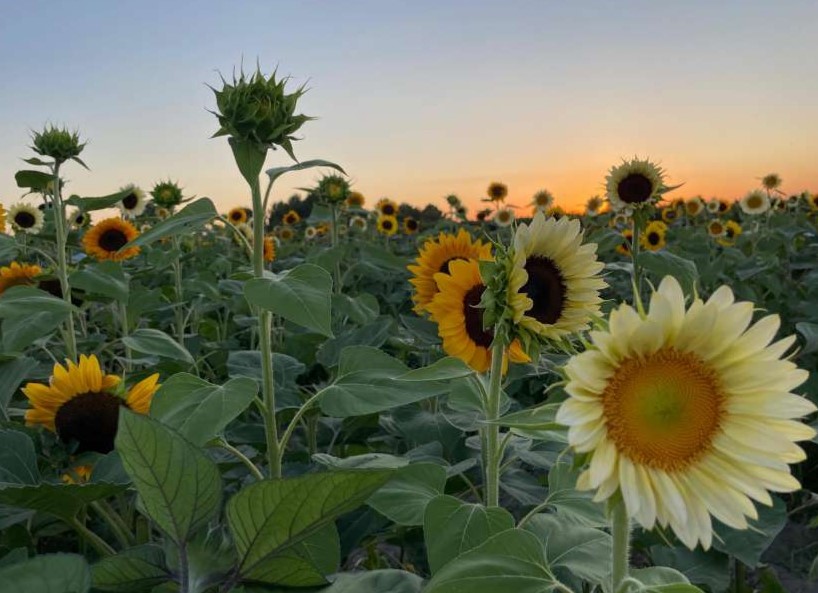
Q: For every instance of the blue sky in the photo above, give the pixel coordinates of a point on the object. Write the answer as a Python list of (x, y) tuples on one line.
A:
[(419, 99)]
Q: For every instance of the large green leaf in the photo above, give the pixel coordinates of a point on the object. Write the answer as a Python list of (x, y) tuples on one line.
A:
[(301, 295), (18, 459), (442, 370), (511, 560), (12, 374), (53, 573), (366, 383), (404, 498), (664, 263), (61, 500), (748, 545), (452, 527), (22, 301), (659, 579), (199, 410), (33, 180), (376, 581), (179, 486), (89, 204), (306, 563), (193, 216), (105, 278), (276, 172), (157, 343), (709, 568), (564, 497), (134, 569), (584, 552), (286, 369), (20, 332), (269, 518)]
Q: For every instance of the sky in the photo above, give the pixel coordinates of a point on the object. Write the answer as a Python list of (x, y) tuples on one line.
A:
[(419, 99)]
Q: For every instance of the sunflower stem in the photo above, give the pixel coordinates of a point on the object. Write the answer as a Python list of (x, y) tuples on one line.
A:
[(265, 345), (637, 270), (241, 457), (123, 318), (177, 278), (95, 541), (493, 454), (120, 530), (334, 236), (621, 534), (62, 263)]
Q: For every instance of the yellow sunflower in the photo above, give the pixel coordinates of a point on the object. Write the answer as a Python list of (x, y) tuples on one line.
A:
[(593, 205), (670, 214), (82, 404), (355, 199), (497, 191), (237, 215), (459, 320), (291, 217), (725, 206), (634, 183), (78, 474), (2, 219), (554, 285), (410, 226), (687, 412), (386, 207), (387, 225), (17, 274), (812, 199), (624, 248), (653, 238), (731, 230), (269, 249), (435, 256), (106, 238)]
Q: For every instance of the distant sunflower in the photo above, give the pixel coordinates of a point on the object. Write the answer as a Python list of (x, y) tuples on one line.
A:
[(771, 181), (624, 248), (246, 231), (269, 249), (82, 404), (237, 215), (812, 199), (725, 206), (436, 255), (543, 200), (357, 223), (634, 183), (619, 220), (26, 218), (387, 225), (731, 231), (133, 204), (322, 228), (687, 412), (16, 274), (2, 219), (503, 217), (355, 199), (593, 205), (670, 214), (286, 234), (105, 239), (555, 283), (694, 207), (80, 219), (310, 233), (167, 194), (654, 237), (410, 226), (79, 474), (386, 207), (715, 228), (291, 217), (497, 191), (459, 319), (755, 202), (714, 206), (162, 213)]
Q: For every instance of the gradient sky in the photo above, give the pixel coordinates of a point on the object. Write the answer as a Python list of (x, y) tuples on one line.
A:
[(423, 98)]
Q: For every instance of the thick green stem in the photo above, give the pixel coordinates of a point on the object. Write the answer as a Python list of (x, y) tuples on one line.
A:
[(334, 235), (493, 455), (96, 542), (62, 263), (177, 278), (123, 318), (265, 345), (184, 571), (243, 458), (621, 535), (121, 532), (637, 270)]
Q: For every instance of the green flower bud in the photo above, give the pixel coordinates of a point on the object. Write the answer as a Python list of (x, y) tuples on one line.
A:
[(59, 144), (333, 189), (166, 194), (257, 111)]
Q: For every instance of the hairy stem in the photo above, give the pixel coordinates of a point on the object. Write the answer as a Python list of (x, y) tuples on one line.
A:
[(493, 455), (62, 263), (621, 534)]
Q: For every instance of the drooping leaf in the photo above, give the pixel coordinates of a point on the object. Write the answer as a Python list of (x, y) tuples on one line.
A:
[(155, 342), (33, 180), (199, 410), (134, 569), (12, 374), (659, 579), (376, 581), (91, 204), (18, 459), (105, 278), (300, 295), (442, 370), (179, 486), (22, 301), (404, 498), (193, 216), (61, 500)]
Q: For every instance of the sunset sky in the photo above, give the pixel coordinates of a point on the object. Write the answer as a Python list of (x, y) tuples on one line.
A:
[(420, 99)]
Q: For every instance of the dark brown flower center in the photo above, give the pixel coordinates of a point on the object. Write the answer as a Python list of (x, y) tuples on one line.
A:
[(723, 206), (730, 233), (130, 201), (24, 219), (474, 317), (386, 225), (388, 210), (91, 419), (654, 238), (546, 288), (112, 240), (635, 189), (411, 224)]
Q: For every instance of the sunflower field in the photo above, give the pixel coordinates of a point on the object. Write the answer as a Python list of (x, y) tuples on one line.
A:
[(344, 394)]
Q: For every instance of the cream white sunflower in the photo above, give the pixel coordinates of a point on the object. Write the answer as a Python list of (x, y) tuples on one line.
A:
[(687, 412), (554, 284), (503, 217), (634, 184), (25, 218), (133, 204), (755, 202)]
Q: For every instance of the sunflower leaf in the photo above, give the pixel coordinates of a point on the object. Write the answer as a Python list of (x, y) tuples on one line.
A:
[(135, 568), (158, 343), (91, 204), (52, 573), (180, 486), (61, 500), (193, 216)]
